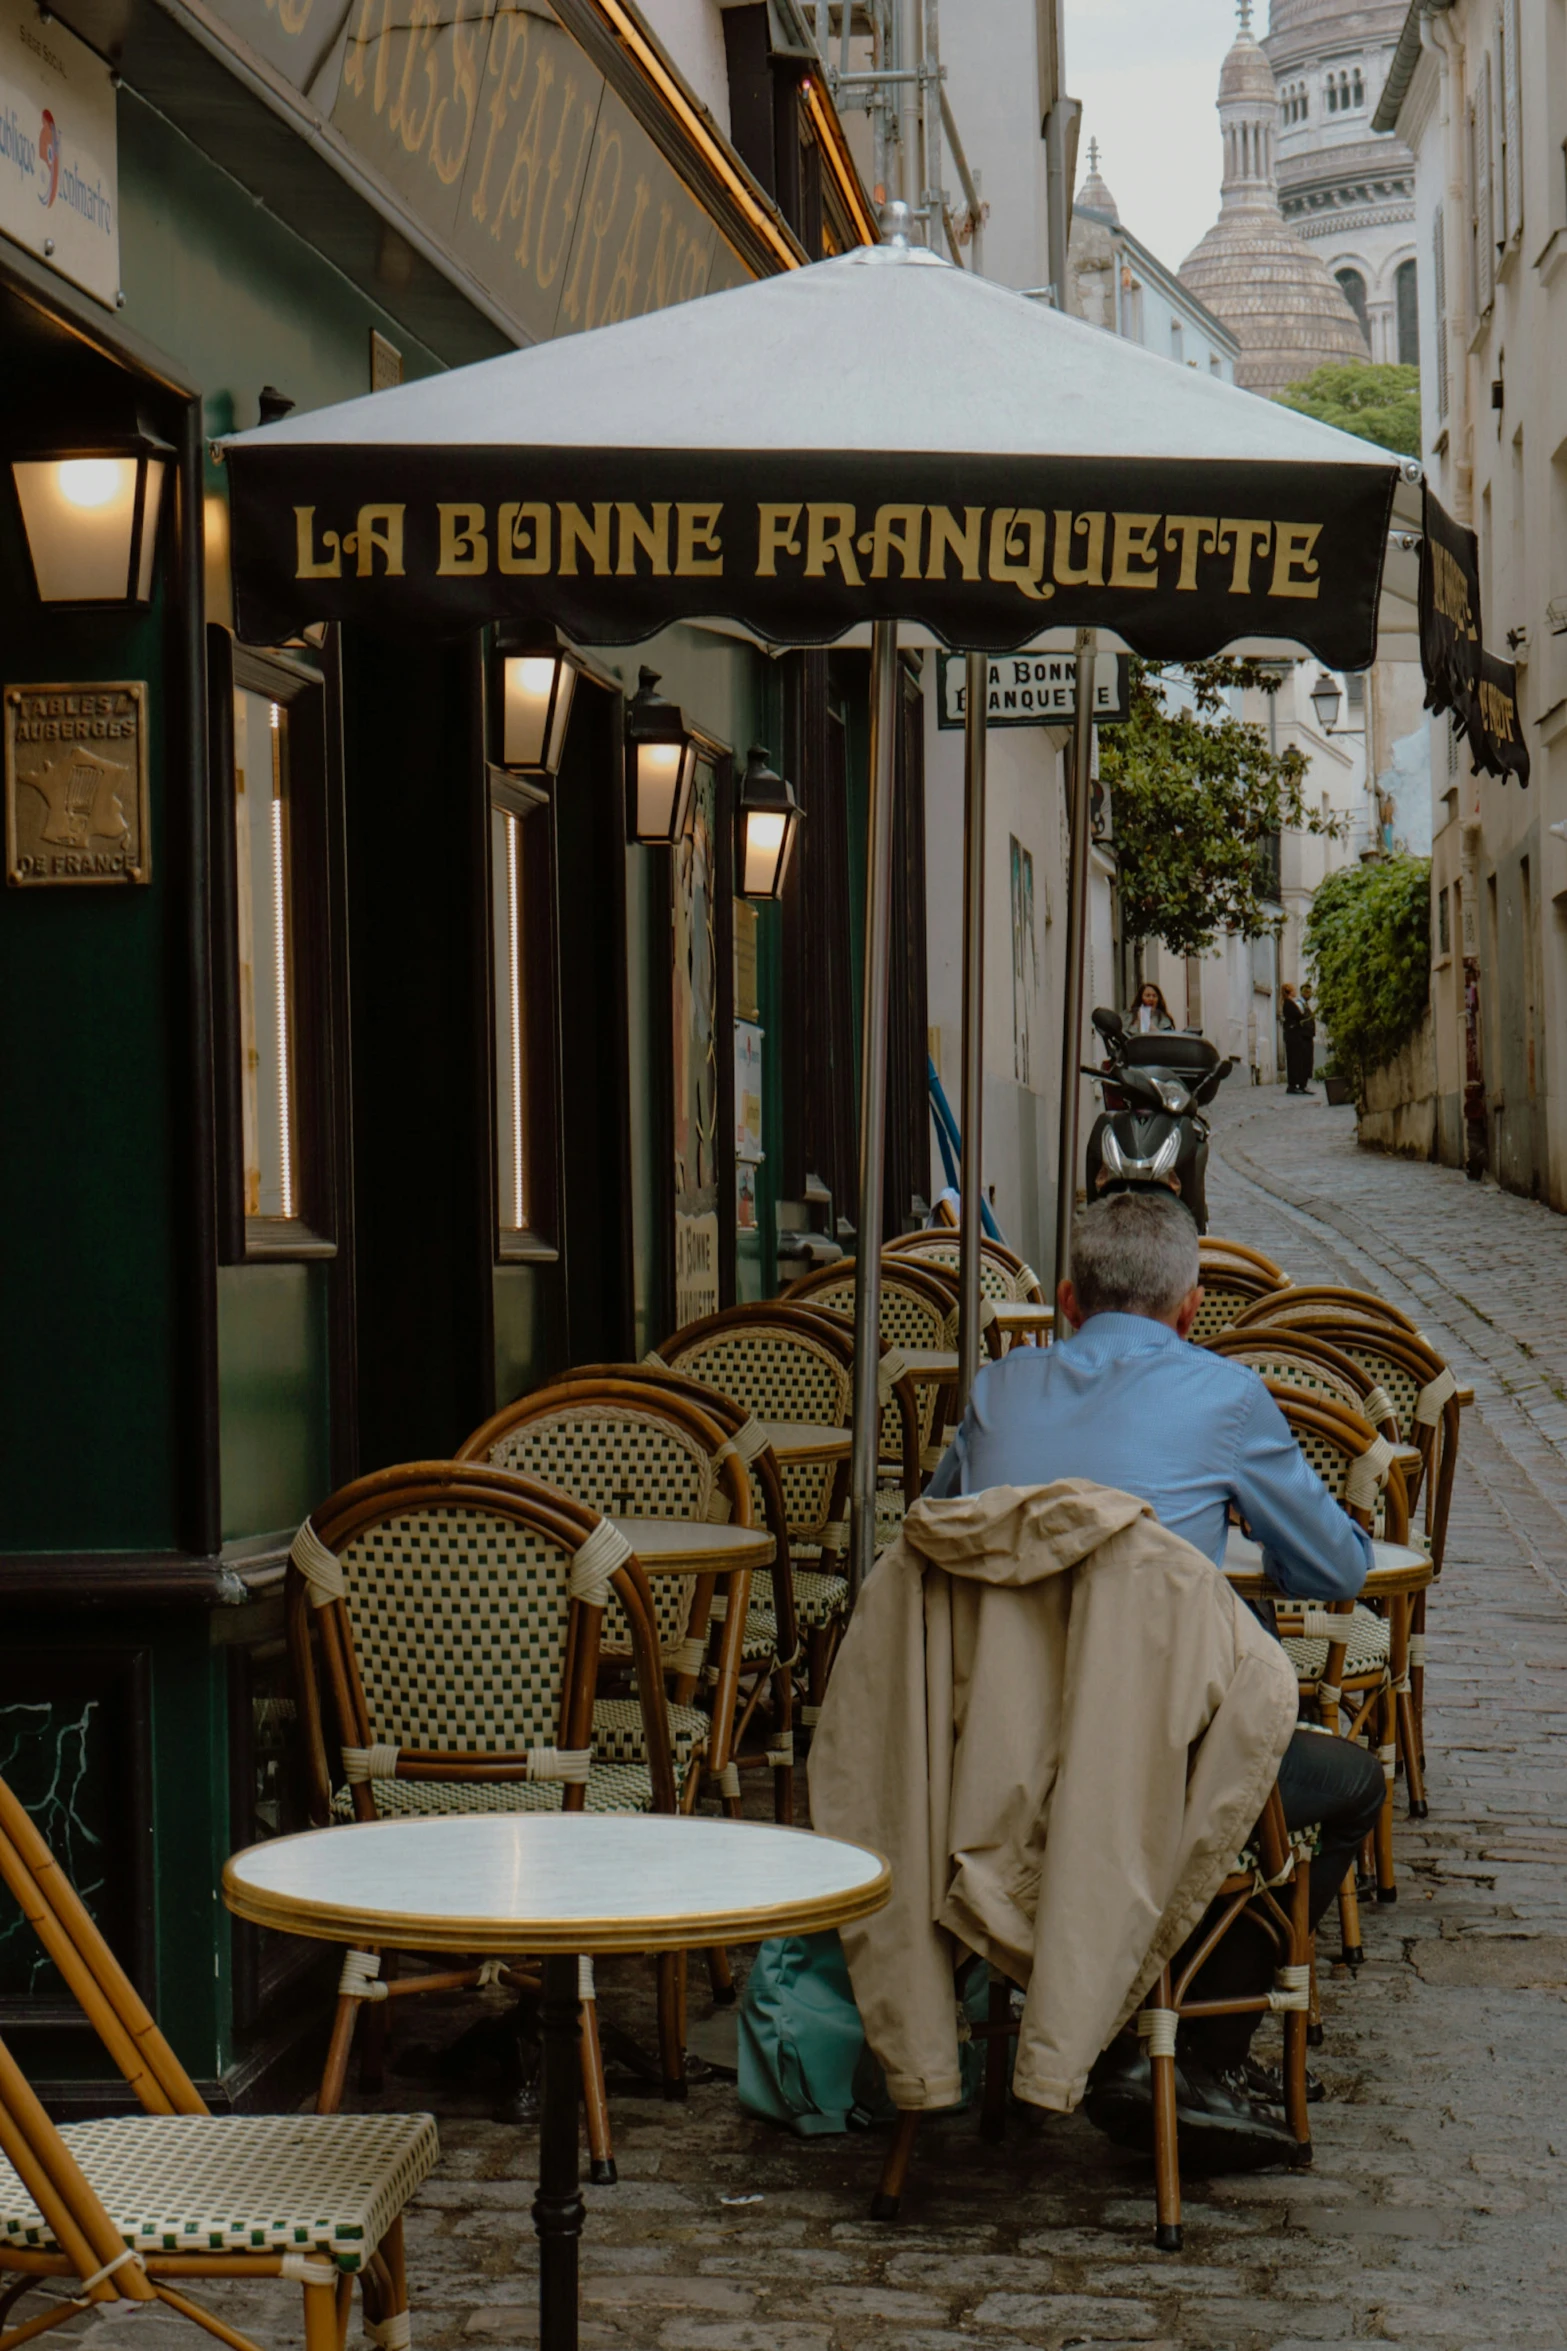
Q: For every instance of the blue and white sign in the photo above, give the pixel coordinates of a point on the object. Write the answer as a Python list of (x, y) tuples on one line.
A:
[(59, 186)]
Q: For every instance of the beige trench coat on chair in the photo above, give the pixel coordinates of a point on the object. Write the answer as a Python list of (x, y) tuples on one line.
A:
[(1059, 1724)]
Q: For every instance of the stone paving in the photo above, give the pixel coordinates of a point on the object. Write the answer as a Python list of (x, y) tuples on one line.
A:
[(1436, 2211)]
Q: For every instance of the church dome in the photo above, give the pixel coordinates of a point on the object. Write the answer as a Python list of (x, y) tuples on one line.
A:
[(1093, 193), (1251, 270)]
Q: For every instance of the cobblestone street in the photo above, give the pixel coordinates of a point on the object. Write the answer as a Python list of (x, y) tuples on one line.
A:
[(1434, 2214)]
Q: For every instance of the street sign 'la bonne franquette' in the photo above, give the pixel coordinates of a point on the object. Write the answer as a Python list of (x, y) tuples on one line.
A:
[(1035, 689)]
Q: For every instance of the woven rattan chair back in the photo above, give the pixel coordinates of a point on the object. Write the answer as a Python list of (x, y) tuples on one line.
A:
[(627, 1453), (1227, 1293), (1355, 1464), (460, 1610), (1302, 1304), (1215, 1254), (1425, 1397), (123, 2205), (1313, 1365), (1003, 1275), (778, 1363), (919, 1308)]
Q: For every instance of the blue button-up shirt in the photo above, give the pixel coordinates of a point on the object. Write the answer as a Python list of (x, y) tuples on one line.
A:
[(1128, 1404)]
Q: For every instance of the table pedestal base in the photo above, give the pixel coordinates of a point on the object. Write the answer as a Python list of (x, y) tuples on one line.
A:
[(558, 2211)]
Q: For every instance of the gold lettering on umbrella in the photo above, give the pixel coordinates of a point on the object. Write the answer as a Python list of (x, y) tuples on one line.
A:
[(896, 531), (465, 547), (1195, 534), (502, 98), (448, 163), (666, 259), (1450, 590), (1131, 546), (1294, 565), (377, 527), (1017, 550), (544, 271), (515, 553), (530, 179), (696, 527), (829, 538), (775, 529), (1246, 535), (652, 537), (422, 26), (946, 538), (306, 567), (593, 537), (596, 218), (623, 285), (1091, 572)]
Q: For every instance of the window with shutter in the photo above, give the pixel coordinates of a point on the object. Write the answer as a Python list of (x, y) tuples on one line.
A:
[(1481, 196), (1439, 287), (1512, 128)]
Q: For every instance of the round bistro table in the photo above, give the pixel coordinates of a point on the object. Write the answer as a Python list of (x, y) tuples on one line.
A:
[(562, 1886), (795, 1441), (690, 1546)]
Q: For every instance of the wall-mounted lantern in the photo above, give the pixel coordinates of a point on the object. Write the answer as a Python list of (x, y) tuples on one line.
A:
[(90, 515), (536, 687), (1325, 699), (767, 819), (660, 766)]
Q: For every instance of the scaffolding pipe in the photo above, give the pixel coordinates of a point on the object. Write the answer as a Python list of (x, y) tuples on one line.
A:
[(972, 1192), (873, 1105), (970, 187), (1076, 940), (906, 57)]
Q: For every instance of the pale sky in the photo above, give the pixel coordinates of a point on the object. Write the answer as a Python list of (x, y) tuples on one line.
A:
[(1147, 72)]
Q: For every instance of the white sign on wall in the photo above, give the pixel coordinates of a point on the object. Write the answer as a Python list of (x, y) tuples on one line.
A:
[(59, 189)]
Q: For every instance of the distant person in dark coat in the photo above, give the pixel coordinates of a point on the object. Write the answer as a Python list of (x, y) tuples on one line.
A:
[(1150, 1012), (1300, 1029)]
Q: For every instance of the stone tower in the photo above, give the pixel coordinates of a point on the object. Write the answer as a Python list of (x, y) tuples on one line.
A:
[(1269, 288)]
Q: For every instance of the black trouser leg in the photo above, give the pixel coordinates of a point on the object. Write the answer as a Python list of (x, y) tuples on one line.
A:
[(1322, 1779)]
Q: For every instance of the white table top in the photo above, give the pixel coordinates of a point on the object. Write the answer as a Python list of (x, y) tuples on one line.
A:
[(807, 1440), (1024, 1314), (534, 1882), (1245, 1556), (689, 1546), (930, 1363)]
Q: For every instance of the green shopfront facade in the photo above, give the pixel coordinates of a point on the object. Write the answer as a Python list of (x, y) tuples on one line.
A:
[(388, 1092)]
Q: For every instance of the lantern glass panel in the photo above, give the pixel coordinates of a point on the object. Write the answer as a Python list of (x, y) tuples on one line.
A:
[(79, 514), (662, 774), (565, 688), (766, 837), (529, 695), (152, 508)]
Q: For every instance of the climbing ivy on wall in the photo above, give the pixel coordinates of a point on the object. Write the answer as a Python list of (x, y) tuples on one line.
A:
[(1368, 938)]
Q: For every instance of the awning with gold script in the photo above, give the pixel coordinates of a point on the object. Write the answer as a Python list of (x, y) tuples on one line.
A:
[(881, 435)]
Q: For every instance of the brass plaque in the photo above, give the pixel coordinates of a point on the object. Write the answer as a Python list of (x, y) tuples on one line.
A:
[(76, 784)]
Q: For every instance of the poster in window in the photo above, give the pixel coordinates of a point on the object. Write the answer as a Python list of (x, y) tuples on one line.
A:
[(695, 995), (748, 1092)]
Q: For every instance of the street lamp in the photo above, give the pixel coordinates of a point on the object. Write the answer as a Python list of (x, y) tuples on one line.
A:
[(767, 819), (536, 689), (1325, 699), (660, 765), (90, 517)]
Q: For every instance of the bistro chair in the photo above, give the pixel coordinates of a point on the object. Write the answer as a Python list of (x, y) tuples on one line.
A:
[(919, 1309), (770, 1650), (786, 1362), (625, 1451), (1003, 1275), (1218, 1255), (1270, 1885), (1303, 1304), (457, 1612), (1229, 1289), (135, 2208), (1314, 1367)]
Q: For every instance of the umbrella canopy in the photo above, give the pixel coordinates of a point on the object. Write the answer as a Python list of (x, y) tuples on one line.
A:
[(878, 436)]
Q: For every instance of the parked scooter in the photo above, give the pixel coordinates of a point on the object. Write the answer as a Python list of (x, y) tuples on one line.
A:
[(1151, 1130)]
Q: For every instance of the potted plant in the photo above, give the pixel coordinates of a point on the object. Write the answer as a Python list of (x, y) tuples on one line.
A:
[(1338, 1088)]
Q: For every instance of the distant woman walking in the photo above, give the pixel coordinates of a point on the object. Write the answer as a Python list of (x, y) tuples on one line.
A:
[(1150, 1011), (1300, 1029)]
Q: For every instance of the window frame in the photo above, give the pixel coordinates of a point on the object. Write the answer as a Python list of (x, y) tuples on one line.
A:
[(303, 691), (528, 800)]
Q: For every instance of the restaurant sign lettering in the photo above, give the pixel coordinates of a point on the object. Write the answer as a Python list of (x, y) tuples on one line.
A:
[(76, 784), (59, 185), (613, 545), (1478, 689), (1034, 690)]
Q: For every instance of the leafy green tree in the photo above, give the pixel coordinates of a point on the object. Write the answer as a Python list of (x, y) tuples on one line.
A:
[(1368, 938), (1197, 799), (1378, 402)]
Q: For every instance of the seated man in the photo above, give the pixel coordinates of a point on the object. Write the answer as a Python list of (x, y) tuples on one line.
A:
[(1128, 1402)]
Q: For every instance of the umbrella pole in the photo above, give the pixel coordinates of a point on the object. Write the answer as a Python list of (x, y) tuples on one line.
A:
[(873, 1105), (975, 720), (1076, 939)]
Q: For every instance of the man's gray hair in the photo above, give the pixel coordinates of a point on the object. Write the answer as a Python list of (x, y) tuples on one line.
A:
[(1135, 1253)]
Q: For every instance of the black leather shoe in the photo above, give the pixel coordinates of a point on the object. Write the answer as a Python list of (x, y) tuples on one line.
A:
[(1267, 2083), (1221, 2126)]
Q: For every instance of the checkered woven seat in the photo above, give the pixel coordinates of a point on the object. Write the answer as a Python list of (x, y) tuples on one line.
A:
[(618, 1735), (241, 2183), (908, 1319), (1367, 1651), (1222, 1301), (612, 1787), (779, 1375), (1301, 1371)]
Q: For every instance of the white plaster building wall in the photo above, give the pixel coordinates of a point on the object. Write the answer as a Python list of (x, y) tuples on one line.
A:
[(693, 33), (988, 50)]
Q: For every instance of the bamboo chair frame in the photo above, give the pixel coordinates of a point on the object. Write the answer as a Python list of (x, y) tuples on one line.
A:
[(1231, 1291), (1306, 1300), (777, 1683), (932, 1289), (1021, 1284), (1265, 1347), (1213, 1249), (352, 1511), (725, 1629), (89, 2247), (1245, 1891)]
